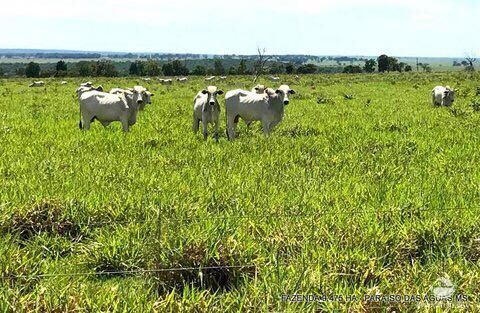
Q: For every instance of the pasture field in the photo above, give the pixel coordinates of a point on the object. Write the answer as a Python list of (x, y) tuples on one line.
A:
[(365, 188)]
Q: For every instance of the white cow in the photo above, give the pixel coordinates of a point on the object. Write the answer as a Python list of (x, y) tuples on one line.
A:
[(274, 78), (83, 89), (267, 108), (86, 84), (63, 82), (167, 81), (107, 108), (207, 110), (443, 96), (182, 79), (260, 89), (147, 79), (223, 77), (40, 83), (147, 95), (210, 78)]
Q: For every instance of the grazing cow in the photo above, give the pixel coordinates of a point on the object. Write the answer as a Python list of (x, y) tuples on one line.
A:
[(267, 108), (182, 79), (107, 108), (443, 96), (207, 110), (86, 84), (210, 78), (223, 77), (168, 81), (147, 79), (40, 83), (63, 82), (83, 89), (274, 78)]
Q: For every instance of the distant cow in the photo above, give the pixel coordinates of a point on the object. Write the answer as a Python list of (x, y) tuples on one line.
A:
[(443, 96), (274, 78), (210, 78), (83, 89), (182, 79), (260, 89), (223, 77), (207, 110), (86, 84), (40, 83), (267, 108), (63, 82), (168, 81), (147, 79), (107, 108)]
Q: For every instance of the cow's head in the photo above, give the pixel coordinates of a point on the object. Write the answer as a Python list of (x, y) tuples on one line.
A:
[(212, 93), (449, 94), (259, 89), (146, 96), (283, 92), (134, 98)]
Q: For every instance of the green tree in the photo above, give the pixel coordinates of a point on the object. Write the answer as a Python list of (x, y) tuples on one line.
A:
[(408, 68), (179, 68), (352, 69), (20, 71), (151, 68), (61, 66), (290, 68), (307, 69), (1, 71), (426, 67), (218, 68), (199, 70), (104, 68), (276, 68), (137, 68), (383, 63), (84, 68), (242, 67), (32, 70), (401, 66), (369, 66), (167, 69), (232, 70)]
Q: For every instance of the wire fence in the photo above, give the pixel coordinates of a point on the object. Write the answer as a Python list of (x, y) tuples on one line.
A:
[(257, 217)]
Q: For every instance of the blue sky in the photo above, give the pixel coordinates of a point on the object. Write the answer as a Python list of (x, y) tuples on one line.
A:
[(437, 28)]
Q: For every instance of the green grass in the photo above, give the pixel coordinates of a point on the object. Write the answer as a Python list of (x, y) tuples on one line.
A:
[(364, 188)]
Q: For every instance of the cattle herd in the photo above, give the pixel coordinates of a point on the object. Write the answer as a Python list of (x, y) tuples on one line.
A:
[(262, 104)]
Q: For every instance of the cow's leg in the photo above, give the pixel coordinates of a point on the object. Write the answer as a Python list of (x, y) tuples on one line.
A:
[(205, 128), (273, 125), (266, 127), (125, 125), (231, 126), (196, 124), (86, 121), (104, 123), (216, 129)]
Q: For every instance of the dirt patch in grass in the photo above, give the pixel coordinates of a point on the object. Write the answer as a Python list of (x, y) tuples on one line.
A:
[(219, 273), (46, 216)]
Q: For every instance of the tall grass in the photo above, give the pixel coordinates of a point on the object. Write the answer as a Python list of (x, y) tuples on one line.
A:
[(364, 188)]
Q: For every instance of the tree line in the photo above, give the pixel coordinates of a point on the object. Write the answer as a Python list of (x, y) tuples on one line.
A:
[(109, 68)]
